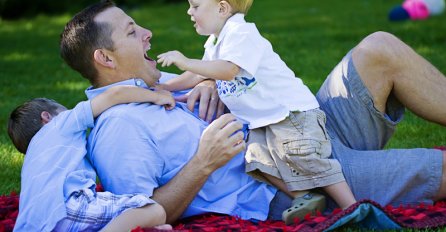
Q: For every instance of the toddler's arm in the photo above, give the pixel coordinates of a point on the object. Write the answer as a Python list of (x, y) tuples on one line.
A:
[(186, 80), (125, 94), (215, 69), (147, 216)]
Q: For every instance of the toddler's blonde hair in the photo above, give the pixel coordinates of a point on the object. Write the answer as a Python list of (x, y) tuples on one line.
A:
[(239, 6)]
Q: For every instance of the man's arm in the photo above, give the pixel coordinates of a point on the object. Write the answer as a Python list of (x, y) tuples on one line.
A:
[(215, 69), (218, 145), (126, 94)]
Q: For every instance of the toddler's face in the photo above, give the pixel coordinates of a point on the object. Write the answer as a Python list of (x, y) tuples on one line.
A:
[(206, 14)]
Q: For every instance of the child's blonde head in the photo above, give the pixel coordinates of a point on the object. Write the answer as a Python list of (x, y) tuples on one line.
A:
[(239, 6)]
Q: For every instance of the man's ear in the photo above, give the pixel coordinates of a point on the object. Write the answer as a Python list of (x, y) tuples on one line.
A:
[(103, 58), (225, 8), (45, 117)]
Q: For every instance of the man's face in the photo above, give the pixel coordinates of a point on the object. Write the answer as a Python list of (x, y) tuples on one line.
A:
[(131, 42)]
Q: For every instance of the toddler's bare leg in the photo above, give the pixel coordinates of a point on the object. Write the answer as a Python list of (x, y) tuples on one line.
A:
[(278, 183), (341, 193)]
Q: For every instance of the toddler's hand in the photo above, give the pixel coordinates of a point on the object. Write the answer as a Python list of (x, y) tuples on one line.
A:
[(165, 98), (173, 57)]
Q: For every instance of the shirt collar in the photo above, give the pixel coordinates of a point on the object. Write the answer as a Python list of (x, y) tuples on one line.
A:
[(92, 92), (230, 23)]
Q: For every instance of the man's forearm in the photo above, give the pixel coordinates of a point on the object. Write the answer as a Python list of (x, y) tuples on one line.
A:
[(178, 193), (219, 143)]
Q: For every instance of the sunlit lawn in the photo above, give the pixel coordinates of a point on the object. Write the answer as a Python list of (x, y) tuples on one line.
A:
[(311, 36)]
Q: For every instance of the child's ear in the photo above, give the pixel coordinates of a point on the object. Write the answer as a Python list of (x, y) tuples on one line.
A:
[(103, 58), (225, 8), (46, 117)]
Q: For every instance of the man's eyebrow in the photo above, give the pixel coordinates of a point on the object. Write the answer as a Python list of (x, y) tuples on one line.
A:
[(129, 24)]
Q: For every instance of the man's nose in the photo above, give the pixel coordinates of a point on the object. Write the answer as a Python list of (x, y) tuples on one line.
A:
[(147, 35)]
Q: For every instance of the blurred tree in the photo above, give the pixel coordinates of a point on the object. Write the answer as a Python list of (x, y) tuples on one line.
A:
[(13, 9)]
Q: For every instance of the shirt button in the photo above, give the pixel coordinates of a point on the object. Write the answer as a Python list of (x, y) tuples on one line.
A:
[(138, 82)]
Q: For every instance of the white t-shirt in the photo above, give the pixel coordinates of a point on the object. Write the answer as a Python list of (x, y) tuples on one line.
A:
[(265, 90)]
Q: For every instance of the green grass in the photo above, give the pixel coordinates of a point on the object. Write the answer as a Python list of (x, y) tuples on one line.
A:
[(311, 36)]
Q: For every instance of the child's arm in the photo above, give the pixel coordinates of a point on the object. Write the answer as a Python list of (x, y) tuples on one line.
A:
[(216, 69), (186, 80), (125, 94), (147, 216)]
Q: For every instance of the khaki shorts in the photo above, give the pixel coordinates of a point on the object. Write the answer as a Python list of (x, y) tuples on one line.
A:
[(296, 150)]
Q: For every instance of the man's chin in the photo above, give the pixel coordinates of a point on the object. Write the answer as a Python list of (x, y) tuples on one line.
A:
[(152, 79), (157, 75)]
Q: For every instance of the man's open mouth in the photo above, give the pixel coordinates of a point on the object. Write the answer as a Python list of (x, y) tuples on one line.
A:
[(147, 57), (149, 60)]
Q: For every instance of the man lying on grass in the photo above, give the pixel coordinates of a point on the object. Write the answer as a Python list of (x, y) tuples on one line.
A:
[(191, 167)]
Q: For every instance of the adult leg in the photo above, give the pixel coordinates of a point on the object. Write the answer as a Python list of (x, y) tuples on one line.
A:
[(393, 176), (363, 103), (390, 68), (441, 195)]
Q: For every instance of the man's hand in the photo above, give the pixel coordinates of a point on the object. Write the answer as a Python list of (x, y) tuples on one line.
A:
[(164, 98), (220, 142), (173, 57), (210, 104)]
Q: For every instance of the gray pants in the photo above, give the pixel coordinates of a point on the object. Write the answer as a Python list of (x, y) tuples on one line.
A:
[(359, 132)]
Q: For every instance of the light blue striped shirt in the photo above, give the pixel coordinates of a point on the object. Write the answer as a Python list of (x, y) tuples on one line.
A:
[(55, 166)]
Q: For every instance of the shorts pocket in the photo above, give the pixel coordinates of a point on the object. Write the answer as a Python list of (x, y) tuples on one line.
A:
[(302, 147), (304, 156)]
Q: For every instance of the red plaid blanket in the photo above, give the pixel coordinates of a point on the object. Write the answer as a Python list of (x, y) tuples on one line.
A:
[(410, 216), (417, 216)]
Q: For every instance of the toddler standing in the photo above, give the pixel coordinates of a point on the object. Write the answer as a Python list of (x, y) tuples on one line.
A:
[(288, 145)]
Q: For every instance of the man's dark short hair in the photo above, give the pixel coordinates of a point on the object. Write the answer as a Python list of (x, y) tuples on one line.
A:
[(25, 121), (82, 36)]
